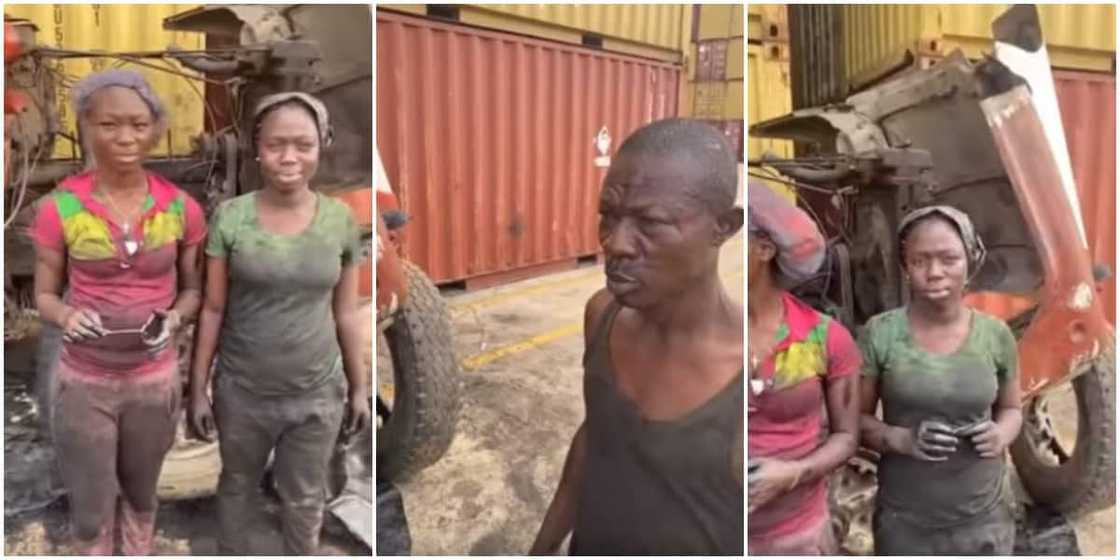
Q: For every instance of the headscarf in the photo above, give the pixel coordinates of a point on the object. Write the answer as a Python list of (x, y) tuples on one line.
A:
[(317, 108), (800, 244), (973, 245)]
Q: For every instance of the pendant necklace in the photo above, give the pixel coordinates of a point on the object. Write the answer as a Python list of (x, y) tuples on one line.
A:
[(758, 384), (131, 245)]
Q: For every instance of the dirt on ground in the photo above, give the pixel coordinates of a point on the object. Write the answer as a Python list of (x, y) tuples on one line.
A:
[(522, 346), (36, 511)]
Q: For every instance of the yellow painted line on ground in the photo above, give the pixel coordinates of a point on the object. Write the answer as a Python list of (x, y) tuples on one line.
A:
[(479, 360), (484, 302), (576, 280)]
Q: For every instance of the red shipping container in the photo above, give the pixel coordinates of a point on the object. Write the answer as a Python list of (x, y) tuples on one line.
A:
[(488, 140)]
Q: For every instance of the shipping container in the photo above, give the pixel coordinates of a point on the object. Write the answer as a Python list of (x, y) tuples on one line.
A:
[(767, 22), (120, 28), (844, 48), (714, 88), (658, 31), (769, 82), (488, 140), (1088, 105)]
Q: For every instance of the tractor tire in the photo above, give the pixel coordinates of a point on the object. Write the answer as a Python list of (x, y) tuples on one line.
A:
[(1083, 481), (426, 396), (191, 467)]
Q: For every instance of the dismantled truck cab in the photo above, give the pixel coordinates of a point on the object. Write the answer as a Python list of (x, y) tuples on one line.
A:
[(984, 137)]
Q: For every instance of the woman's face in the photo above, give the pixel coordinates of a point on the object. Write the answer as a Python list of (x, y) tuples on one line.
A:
[(120, 128), (761, 252), (935, 261), (288, 148)]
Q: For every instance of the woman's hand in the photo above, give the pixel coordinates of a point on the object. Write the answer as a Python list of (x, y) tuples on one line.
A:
[(171, 321), (988, 438), (358, 415), (769, 478), (81, 324), (201, 416), (930, 441)]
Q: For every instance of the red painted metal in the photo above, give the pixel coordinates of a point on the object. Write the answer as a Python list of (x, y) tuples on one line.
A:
[(360, 201), (13, 47), (487, 139), (1088, 105), (1069, 327)]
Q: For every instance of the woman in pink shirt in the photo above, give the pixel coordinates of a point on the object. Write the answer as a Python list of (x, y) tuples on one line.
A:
[(801, 362), (124, 242)]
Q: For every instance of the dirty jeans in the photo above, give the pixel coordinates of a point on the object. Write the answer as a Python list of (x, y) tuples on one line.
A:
[(302, 429), (111, 436), (816, 539), (990, 534)]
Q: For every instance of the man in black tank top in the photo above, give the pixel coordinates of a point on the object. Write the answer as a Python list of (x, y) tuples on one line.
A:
[(656, 467)]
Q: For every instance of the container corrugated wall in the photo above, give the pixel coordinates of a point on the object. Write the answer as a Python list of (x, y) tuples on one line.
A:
[(879, 37), (714, 89), (120, 28), (875, 40), (487, 140), (769, 78), (660, 31), (1088, 106)]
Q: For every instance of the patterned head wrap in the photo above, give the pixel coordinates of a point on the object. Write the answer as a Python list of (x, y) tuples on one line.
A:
[(973, 245), (799, 241)]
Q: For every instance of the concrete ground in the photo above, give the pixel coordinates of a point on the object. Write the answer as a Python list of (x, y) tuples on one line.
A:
[(521, 347)]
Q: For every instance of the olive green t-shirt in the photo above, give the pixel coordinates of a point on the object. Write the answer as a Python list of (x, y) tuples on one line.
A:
[(278, 334), (959, 389)]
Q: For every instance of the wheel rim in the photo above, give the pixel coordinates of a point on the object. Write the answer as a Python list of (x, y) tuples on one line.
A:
[(386, 384), (1050, 425)]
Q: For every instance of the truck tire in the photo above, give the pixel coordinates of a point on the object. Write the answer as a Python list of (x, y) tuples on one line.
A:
[(1083, 481), (191, 467), (426, 398)]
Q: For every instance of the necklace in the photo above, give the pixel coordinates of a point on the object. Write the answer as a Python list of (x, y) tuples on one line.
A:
[(131, 245), (758, 384)]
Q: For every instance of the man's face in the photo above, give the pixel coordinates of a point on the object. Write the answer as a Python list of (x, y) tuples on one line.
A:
[(657, 239)]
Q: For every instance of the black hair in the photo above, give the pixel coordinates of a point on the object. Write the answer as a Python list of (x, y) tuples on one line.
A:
[(698, 143)]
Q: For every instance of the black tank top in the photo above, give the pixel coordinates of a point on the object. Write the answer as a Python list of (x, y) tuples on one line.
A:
[(652, 487)]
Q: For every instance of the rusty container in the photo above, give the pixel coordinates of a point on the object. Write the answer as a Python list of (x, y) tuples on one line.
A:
[(657, 31), (488, 141), (1088, 104)]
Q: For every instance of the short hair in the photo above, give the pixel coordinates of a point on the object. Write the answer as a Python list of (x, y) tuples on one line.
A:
[(699, 143), (83, 91), (82, 95)]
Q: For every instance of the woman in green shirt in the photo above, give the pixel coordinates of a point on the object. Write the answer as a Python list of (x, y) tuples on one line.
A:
[(947, 376), (281, 314)]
